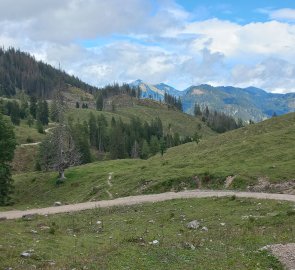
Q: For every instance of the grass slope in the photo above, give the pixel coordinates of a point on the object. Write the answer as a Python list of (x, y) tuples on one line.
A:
[(184, 124), (122, 240), (261, 150)]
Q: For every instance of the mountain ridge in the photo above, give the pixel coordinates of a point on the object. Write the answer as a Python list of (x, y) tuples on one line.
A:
[(246, 103)]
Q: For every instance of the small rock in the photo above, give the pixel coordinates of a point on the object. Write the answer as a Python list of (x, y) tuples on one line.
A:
[(42, 228), (98, 222), (155, 242), (25, 254), (29, 217), (222, 224), (193, 225), (151, 221), (189, 246), (34, 231), (57, 204), (205, 229)]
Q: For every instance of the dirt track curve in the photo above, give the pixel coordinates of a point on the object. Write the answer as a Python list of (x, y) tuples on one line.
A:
[(14, 214)]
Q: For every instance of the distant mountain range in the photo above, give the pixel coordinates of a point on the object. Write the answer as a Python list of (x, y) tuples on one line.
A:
[(246, 103), (19, 70)]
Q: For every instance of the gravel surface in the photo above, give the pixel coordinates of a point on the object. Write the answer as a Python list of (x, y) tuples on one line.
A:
[(131, 200), (285, 254)]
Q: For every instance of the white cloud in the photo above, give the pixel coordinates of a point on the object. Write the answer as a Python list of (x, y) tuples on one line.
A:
[(273, 74), (69, 20), (159, 42), (287, 14)]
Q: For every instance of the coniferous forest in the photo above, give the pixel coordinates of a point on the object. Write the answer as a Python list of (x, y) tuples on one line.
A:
[(20, 70)]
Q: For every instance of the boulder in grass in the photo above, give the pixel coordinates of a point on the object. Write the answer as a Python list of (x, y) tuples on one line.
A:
[(193, 225)]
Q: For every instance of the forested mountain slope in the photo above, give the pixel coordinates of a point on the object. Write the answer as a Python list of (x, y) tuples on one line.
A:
[(21, 71)]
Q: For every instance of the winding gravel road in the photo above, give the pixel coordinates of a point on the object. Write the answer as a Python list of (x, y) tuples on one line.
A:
[(131, 200)]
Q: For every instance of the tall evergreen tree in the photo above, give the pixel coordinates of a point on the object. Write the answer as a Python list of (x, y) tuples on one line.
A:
[(145, 150), (99, 102), (33, 106), (154, 145), (42, 112), (92, 130), (197, 110), (7, 146), (15, 113)]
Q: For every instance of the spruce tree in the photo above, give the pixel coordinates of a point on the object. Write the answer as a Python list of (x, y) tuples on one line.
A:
[(145, 150), (7, 146), (99, 102), (33, 106), (154, 145)]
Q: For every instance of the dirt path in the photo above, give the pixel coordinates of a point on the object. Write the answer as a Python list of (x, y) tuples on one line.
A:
[(144, 199), (36, 143)]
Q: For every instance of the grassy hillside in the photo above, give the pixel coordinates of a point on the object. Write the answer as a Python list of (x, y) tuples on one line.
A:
[(24, 159), (261, 150), (147, 110), (237, 230), (25, 134), (184, 124)]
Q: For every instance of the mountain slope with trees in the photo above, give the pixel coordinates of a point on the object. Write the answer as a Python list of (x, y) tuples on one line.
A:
[(21, 71), (259, 151)]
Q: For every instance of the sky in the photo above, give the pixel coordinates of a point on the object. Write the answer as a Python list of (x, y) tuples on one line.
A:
[(178, 42)]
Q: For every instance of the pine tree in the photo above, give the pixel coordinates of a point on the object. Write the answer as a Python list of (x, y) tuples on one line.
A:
[(53, 111), (15, 113), (99, 102), (42, 112), (101, 133), (7, 146), (33, 106), (145, 150), (163, 146), (196, 137), (93, 132), (197, 110), (80, 136), (154, 145), (39, 127), (117, 143), (135, 152)]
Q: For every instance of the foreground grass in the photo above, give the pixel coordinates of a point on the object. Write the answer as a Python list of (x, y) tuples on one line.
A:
[(262, 150), (237, 229)]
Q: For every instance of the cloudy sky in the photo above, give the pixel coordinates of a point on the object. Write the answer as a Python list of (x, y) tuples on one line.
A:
[(178, 42)]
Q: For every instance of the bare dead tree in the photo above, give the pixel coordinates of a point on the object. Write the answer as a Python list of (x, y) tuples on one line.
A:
[(66, 153), (60, 150)]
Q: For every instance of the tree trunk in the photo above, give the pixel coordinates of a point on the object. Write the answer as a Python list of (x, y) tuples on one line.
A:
[(62, 174)]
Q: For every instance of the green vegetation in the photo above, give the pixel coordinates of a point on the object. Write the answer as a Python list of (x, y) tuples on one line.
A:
[(24, 159), (25, 134), (7, 146), (20, 70), (261, 150), (237, 230), (181, 123)]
